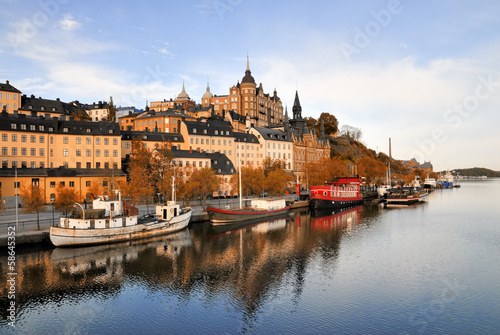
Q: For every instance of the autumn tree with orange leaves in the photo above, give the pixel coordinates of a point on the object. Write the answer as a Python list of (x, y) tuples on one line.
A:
[(33, 199)]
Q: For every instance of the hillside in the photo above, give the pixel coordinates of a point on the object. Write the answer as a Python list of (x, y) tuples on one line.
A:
[(477, 171)]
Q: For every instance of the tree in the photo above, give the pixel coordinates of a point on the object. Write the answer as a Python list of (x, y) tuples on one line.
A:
[(94, 190), (277, 181), (33, 199), (252, 180), (313, 124), (81, 115), (66, 197), (111, 117), (140, 173), (351, 133), (162, 169), (330, 123), (203, 182)]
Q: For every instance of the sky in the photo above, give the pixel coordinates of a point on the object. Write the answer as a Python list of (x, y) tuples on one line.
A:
[(424, 73)]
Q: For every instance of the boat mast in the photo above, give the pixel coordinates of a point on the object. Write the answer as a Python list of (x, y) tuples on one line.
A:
[(390, 159), (239, 172), (173, 185)]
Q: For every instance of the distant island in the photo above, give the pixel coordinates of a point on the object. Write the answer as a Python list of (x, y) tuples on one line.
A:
[(476, 171)]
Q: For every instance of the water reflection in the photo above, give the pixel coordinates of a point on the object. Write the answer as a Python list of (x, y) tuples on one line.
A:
[(242, 264)]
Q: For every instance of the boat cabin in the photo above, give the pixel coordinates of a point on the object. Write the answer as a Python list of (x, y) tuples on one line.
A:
[(268, 204), (168, 211)]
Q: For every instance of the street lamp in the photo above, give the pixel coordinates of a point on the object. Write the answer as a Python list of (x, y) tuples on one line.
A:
[(53, 201)]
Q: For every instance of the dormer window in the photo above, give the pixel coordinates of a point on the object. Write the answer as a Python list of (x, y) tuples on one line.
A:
[(194, 130), (204, 131), (65, 130), (53, 109), (30, 107), (216, 132), (42, 108), (23, 127)]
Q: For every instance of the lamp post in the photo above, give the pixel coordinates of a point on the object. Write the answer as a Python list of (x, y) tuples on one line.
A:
[(53, 201)]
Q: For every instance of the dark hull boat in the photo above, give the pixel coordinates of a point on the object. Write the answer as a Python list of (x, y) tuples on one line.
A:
[(259, 209)]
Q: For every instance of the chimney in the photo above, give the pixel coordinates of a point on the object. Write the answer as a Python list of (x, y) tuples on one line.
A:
[(190, 150), (7, 82)]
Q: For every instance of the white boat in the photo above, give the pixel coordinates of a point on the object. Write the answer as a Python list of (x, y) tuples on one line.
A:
[(430, 183), (382, 189), (111, 221)]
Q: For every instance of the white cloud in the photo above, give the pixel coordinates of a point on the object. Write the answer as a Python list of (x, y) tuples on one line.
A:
[(69, 23)]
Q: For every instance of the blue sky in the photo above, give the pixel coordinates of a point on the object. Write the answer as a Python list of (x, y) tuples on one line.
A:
[(425, 73)]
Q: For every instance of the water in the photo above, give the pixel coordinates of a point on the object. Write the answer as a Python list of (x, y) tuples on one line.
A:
[(429, 269)]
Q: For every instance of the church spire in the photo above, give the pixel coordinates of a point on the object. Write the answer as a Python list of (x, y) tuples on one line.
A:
[(297, 109)]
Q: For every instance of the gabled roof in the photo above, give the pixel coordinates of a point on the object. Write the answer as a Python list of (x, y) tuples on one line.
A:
[(273, 134), (7, 87), (210, 128), (245, 138), (46, 105)]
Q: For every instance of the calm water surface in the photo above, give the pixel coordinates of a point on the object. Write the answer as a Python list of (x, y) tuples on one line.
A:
[(429, 269)]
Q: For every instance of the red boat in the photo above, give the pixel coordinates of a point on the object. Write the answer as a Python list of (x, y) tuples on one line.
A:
[(340, 193)]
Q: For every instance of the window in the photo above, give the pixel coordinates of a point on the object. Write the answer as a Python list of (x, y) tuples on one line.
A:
[(78, 152), (13, 126), (51, 152), (106, 141), (88, 140), (127, 145), (62, 183), (23, 151), (41, 139), (87, 183), (4, 151), (65, 152), (65, 140), (191, 140), (33, 151), (52, 184), (115, 153), (33, 165), (71, 184), (42, 165), (98, 141), (98, 153), (65, 129), (32, 127), (5, 137), (106, 165), (106, 153), (41, 128), (115, 166), (78, 140), (89, 166), (23, 127), (42, 152), (97, 165), (115, 141), (89, 153)]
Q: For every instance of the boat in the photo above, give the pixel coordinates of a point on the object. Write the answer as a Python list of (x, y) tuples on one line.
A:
[(117, 220), (258, 209), (446, 181), (403, 196), (429, 183), (340, 193), (382, 189)]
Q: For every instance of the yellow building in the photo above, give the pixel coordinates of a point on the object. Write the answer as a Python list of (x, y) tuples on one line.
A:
[(10, 97), (182, 101), (47, 151), (247, 99)]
